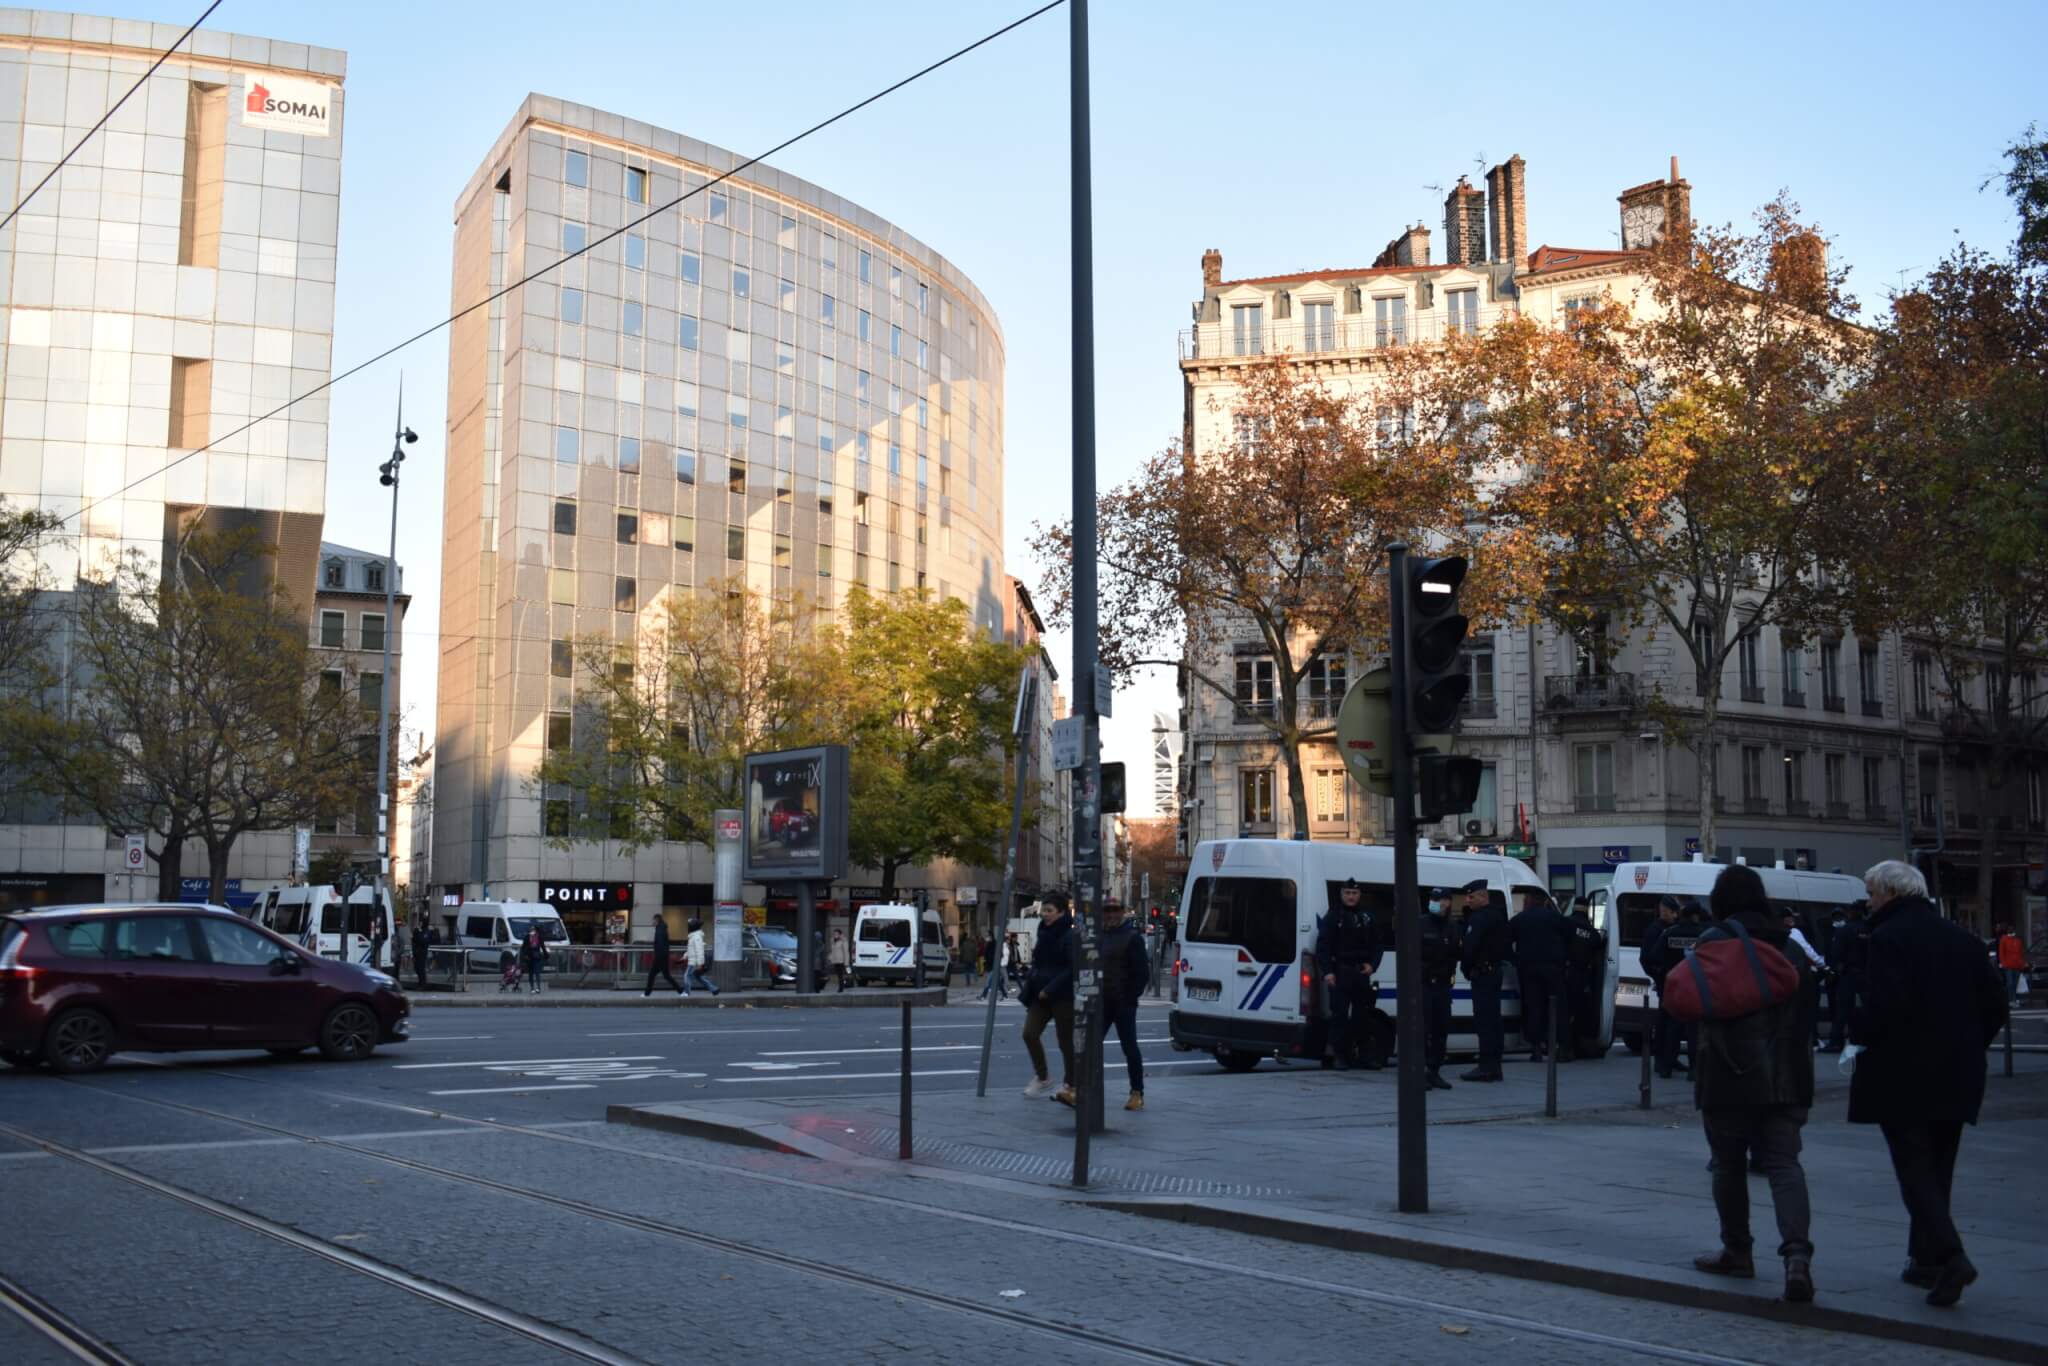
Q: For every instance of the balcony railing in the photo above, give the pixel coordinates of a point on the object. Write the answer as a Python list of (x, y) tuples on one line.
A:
[(1752, 692), (1797, 806), (1833, 704), (1838, 811), (1479, 708), (1589, 693), (1756, 806), (1345, 333), (1873, 707), (1873, 811), (1795, 699), (1594, 801)]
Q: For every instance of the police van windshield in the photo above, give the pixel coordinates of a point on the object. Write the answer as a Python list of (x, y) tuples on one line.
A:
[(550, 929), (1255, 914), (288, 920), (1639, 912), (895, 933)]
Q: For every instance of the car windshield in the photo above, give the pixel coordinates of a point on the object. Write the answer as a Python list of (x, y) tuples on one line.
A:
[(551, 931), (781, 940)]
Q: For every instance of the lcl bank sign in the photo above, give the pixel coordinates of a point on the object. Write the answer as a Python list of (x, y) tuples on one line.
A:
[(285, 105)]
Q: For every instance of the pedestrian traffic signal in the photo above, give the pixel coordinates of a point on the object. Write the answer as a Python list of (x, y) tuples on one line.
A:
[(1435, 641), (1112, 789), (1448, 784)]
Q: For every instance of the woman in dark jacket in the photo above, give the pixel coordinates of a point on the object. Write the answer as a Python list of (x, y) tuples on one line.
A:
[(1048, 997), (1753, 1085), (533, 958)]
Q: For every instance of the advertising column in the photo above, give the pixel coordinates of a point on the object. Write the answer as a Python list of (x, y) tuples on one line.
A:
[(730, 911)]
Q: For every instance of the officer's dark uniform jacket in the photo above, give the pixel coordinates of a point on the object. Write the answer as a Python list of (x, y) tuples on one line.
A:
[(1585, 948), (1486, 941), (1349, 940), (1440, 949)]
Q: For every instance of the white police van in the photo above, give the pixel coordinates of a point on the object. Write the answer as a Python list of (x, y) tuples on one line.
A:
[(883, 939), (1250, 911), (1630, 902)]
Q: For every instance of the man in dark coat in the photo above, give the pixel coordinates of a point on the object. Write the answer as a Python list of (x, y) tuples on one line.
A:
[(1126, 971), (658, 964), (1585, 973), (1440, 945), (1538, 934), (422, 941), (1348, 953), (1485, 950), (1753, 1085), (1929, 1006)]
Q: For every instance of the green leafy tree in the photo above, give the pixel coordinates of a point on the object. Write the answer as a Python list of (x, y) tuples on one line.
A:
[(25, 621), (195, 709), (923, 702), (661, 726)]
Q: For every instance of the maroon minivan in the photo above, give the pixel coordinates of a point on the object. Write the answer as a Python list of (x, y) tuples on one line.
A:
[(79, 983)]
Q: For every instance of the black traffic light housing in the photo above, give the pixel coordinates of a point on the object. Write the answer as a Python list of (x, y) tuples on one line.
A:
[(1112, 789), (1447, 784), (1437, 676)]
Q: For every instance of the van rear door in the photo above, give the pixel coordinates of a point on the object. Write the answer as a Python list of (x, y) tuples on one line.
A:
[(1240, 943)]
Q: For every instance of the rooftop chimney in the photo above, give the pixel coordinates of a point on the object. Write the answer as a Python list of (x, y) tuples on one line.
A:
[(1799, 271), (1649, 211), (1507, 211), (1464, 225), (1212, 268), (1411, 248)]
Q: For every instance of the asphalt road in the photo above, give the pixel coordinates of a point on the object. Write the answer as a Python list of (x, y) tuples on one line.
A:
[(459, 1198)]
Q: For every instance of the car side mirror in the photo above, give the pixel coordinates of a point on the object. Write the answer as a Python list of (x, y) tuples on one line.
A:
[(284, 965)]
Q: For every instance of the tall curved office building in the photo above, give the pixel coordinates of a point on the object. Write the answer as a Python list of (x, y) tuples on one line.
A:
[(764, 384)]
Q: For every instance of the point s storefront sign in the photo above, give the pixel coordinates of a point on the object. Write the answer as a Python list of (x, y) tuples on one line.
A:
[(283, 104)]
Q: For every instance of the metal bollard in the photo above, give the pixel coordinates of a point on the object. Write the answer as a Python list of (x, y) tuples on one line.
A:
[(1550, 1063), (1650, 1030), (2008, 1043)]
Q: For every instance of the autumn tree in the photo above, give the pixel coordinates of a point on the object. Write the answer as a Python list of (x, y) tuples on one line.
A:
[(1277, 539), (1953, 421), (1671, 462), (25, 620), (661, 726), (1153, 849), (924, 703), (195, 709)]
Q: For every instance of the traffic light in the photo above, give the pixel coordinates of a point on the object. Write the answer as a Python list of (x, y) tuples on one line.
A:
[(1448, 784), (1437, 677), (1112, 789)]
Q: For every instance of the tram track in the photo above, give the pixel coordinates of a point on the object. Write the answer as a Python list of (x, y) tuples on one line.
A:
[(61, 1331), (1420, 1307)]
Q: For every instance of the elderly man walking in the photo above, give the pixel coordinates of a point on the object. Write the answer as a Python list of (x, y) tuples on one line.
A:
[(1930, 1005)]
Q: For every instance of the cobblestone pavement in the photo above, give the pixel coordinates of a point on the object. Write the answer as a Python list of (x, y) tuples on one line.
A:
[(929, 1262)]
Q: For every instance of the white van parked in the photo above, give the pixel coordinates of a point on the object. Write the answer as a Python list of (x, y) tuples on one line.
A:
[(504, 924), (314, 918), (1249, 917), (882, 939), (1631, 901)]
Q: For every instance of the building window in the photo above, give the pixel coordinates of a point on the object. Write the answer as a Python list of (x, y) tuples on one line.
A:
[(373, 577), (576, 168), (1479, 698), (333, 629), (559, 735), (1247, 329), (330, 683), (555, 818), (561, 659), (629, 455), (828, 251), (1870, 680), (693, 268), (718, 208), (1255, 798), (574, 238), (1330, 797), (1753, 773), (685, 532), (1325, 686), (735, 477), (372, 690), (1486, 803), (1873, 788), (1706, 648), (895, 341), (625, 594), (630, 318), (1594, 777), (1749, 667), (1831, 675), (565, 517), (735, 543), (206, 136), (1795, 781), (686, 467), (896, 281), (629, 529), (1835, 774), (864, 326), (924, 300), (636, 251), (1792, 669), (1254, 688), (1923, 687), (636, 185), (568, 444), (334, 574), (742, 284), (1319, 326), (562, 587), (686, 332), (827, 310), (373, 630), (572, 306), (1464, 312), (1390, 320)]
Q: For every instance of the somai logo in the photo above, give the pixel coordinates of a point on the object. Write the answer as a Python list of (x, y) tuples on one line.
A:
[(289, 106)]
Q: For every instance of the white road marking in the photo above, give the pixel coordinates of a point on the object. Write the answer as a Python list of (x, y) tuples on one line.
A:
[(650, 1033), (779, 1066), (827, 1052), (850, 1076), (524, 1062), (502, 1090), (450, 1038)]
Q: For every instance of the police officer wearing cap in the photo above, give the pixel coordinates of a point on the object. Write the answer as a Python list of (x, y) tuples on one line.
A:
[(1440, 945), (1485, 950), (1348, 952)]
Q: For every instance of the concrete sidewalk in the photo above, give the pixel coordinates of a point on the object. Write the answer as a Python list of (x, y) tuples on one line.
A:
[(489, 996), (1606, 1197)]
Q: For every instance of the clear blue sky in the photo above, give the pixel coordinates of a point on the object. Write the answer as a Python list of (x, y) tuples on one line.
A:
[(1288, 136)]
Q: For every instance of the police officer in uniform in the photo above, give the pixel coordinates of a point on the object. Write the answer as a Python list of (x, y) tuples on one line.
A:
[(1485, 948), (1585, 972), (1539, 933), (1348, 952), (1440, 946)]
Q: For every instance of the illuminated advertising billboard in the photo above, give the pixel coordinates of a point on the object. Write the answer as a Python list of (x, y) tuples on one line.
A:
[(796, 815)]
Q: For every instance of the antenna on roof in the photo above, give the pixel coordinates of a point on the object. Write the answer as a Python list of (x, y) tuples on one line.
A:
[(1479, 164)]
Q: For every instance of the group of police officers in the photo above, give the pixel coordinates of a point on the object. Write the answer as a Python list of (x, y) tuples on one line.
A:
[(1559, 959)]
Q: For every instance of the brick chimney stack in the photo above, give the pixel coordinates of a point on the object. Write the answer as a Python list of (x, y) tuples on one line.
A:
[(1651, 211), (1411, 248), (1212, 268), (1507, 211), (1464, 225), (1799, 271)]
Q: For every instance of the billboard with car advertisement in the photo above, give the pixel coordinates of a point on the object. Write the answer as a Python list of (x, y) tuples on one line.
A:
[(796, 815)]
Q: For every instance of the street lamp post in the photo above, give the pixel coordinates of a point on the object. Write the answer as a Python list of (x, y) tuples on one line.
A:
[(404, 436)]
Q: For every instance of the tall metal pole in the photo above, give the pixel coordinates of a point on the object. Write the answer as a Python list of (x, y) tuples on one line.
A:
[(1413, 1118), (1027, 707), (386, 701)]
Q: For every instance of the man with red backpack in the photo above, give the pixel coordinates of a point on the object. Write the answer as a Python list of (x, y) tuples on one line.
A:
[(1753, 1076)]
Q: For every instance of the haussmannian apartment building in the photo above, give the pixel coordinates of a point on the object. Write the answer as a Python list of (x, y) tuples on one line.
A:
[(1835, 751), (766, 384), (173, 280)]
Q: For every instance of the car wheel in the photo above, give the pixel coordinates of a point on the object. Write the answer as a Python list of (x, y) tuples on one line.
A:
[(78, 1041), (292, 1052), (21, 1058), (349, 1033), (1234, 1060)]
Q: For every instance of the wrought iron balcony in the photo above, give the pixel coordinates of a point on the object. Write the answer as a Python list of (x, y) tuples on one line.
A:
[(1306, 337), (1589, 692)]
